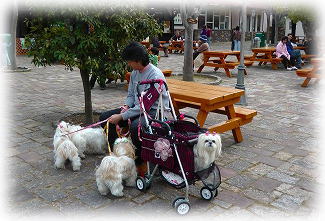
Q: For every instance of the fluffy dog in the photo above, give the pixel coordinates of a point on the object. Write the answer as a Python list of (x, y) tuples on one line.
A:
[(89, 141), (64, 148), (116, 168), (71, 145), (207, 149)]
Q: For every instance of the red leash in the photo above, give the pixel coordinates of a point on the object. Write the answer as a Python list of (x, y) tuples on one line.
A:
[(89, 126)]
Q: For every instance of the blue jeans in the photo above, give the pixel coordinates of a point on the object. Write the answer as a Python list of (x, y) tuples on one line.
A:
[(236, 45), (296, 55)]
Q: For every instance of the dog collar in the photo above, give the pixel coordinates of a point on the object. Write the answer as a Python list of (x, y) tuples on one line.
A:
[(121, 140)]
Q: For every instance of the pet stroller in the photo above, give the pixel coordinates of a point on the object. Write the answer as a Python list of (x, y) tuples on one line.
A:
[(168, 144)]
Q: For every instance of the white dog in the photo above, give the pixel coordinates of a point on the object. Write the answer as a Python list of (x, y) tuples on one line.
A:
[(89, 141), (64, 148), (207, 149), (117, 167), (71, 145)]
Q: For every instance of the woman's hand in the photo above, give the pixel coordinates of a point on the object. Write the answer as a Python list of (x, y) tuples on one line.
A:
[(115, 118)]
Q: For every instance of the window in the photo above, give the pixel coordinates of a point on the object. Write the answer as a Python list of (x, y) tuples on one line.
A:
[(227, 22), (248, 22), (216, 18), (259, 23), (210, 16), (216, 22), (201, 21)]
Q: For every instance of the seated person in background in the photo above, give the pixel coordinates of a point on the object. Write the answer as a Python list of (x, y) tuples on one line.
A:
[(153, 56), (294, 53), (309, 46), (155, 42), (281, 52), (203, 46), (177, 37)]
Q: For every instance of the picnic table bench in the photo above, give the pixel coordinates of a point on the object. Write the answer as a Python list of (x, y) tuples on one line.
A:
[(211, 98), (217, 59), (309, 73)]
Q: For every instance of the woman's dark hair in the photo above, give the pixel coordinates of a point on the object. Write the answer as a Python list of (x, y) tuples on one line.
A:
[(237, 28), (284, 38), (136, 52), (154, 50)]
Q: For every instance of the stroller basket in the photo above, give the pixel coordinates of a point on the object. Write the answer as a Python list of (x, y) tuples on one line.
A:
[(182, 133)]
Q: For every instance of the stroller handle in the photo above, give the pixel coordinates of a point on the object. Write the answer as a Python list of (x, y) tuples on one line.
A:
[(164, 124), (152, 82)]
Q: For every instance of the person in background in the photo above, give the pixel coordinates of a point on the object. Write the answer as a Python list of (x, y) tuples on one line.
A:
[(155, 43), (209, 35), (177, 37), (281, 52), (204, 30), (294, 53), (203, 46), (309, 46), (153, 56), (236, 35), (232, 39)]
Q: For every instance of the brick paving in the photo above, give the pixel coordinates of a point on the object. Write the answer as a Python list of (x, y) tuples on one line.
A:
[(274, 172)]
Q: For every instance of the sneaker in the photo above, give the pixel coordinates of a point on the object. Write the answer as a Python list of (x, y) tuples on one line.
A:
[(289, 69), (294, 68)]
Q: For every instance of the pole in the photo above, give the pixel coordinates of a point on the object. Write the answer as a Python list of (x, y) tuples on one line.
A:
[(241, 67)]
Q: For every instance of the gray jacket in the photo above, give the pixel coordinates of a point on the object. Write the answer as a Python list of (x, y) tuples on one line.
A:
[(150, 72)]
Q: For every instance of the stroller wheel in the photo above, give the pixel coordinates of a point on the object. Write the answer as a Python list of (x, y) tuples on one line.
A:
[(182, 207), (206, 193), (141, 183), (178, 199)]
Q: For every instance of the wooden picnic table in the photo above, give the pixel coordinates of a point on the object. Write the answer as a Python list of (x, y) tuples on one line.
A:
[(145, 43), (211, 98), (179, 46), (264, 55), (309, 73), (217, 59)]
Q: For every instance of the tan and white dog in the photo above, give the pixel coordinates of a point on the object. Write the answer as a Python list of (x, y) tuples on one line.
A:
[(116, 168), (207, 149)]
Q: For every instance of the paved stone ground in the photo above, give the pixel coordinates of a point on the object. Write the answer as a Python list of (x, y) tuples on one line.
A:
[(272, 173)]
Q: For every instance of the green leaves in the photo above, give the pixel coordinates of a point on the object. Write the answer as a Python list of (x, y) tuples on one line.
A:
[(91, 39)]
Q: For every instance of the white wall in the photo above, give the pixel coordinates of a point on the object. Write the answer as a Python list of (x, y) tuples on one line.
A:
[(299, 29)]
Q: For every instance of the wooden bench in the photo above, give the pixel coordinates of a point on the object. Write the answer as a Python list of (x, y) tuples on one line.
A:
[(307, 73), (308, 56), (243, 115)]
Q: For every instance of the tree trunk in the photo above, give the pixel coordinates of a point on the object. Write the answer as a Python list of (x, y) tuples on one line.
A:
[(87, 94), (308, 29), (293, 29), (188, 46), (276, 28)]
